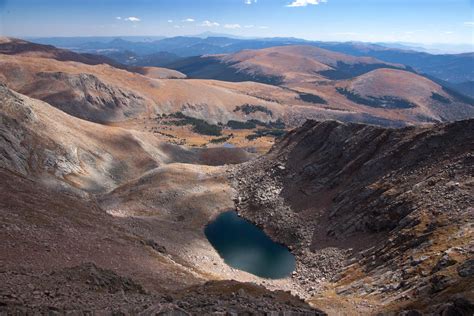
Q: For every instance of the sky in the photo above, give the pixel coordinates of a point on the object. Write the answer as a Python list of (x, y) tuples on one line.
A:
[(413, 21)]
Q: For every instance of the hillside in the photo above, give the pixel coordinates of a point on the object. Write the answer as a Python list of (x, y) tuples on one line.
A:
[(55, 168), (452, 68), (43, 142), (103, 93), (137, 99), (330, 80), (385, 219), (282, 64), (394, 89), (13, 46)]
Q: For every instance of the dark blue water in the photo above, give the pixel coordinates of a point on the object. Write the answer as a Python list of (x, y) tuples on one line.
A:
[(246, 247)]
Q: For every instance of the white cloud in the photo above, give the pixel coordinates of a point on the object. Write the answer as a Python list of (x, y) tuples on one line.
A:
[(132, 19), (304, 3), (170, 21), (118, 17), (250, 1), (209, 24), (249, 26), (189, 20), (232, 26), (263, 27), (469, 23)]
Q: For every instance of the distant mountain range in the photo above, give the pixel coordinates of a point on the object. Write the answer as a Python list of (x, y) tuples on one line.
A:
[(453, 70), (287, 84), (431, 48)]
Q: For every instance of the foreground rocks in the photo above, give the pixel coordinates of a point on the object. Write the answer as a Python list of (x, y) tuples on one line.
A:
[(61, 254), (382, 214), (88, 289)]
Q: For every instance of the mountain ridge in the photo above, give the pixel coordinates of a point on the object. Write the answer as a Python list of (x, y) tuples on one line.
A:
[(423, 62)]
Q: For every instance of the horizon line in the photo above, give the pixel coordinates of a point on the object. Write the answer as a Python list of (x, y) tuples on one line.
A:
[(238, 37)]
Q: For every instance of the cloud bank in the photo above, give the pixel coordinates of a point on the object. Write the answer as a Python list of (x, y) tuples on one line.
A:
[(304, 3), (209, 24), (132, 19)]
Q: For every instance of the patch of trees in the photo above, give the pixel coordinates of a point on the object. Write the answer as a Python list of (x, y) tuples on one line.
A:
[(348, 71), (458, 96), (199, 126), (241, 125), (385, 102), (438, 97), (278, 133), (221, 139), (311, 98), (213, 68), (251, 124), (249, 109)]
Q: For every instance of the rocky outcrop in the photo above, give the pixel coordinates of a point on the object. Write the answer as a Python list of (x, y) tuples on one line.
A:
[(85, 96), (37, 139), (393, 207)]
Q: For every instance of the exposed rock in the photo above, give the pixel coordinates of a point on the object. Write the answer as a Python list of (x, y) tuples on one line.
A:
[(99, 278), (459, 307), (466, 269), (154, 245), (440, 283), (443, 262), (361, 196)]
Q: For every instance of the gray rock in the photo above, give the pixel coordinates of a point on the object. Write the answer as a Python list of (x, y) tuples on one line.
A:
[(444, 262), (466, 269)]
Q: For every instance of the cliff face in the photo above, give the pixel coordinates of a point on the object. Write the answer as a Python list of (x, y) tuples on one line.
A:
[(395, 204)]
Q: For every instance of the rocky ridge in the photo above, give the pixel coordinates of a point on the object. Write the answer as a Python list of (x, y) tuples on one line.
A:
[(372, 210)]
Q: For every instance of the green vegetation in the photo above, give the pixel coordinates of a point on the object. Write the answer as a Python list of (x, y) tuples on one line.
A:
[(221, 139), (347, 71), (248, 109), (266, 132), (278, 124), (199, 126), (251, 124), (312, 98), (213, 68), (274, 128), (354, 97), (459, 97), (241, 125), (386, 102), (438, 97), (395, 103)]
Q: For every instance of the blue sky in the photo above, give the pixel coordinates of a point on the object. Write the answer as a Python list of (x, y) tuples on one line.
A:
[(418, 21)]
